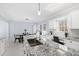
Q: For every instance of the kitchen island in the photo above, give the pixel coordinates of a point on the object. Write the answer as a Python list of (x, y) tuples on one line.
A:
[(51, 48)]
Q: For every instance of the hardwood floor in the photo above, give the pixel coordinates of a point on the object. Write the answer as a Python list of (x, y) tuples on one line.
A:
[(14, 49)]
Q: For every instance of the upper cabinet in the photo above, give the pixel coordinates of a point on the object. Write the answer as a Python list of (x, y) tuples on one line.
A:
[(60, 24)]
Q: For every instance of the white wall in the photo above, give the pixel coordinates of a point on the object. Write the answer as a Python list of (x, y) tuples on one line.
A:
[(75, 19), (34, 28), (52, 24), (3, 29), (18, 28), (42, 23)]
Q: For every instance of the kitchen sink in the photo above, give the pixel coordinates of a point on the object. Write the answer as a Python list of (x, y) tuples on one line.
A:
[(34, 42)]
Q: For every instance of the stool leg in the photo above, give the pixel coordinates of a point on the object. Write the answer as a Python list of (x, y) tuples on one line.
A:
[(15, 40)]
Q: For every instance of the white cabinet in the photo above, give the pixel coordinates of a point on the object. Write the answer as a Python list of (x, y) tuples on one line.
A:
[(2, 46)]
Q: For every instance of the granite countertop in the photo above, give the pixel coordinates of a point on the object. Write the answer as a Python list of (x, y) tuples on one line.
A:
[(71, 44)]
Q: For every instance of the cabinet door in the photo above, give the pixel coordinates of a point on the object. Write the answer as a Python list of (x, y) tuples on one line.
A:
[(2, 46)]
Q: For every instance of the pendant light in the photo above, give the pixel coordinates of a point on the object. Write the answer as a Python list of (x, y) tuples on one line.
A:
[(38, 12)]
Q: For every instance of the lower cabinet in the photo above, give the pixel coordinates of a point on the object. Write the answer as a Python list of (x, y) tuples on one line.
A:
[(2, 46)]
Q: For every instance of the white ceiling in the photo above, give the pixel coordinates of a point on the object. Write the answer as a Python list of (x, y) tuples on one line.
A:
[(20, 11)]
